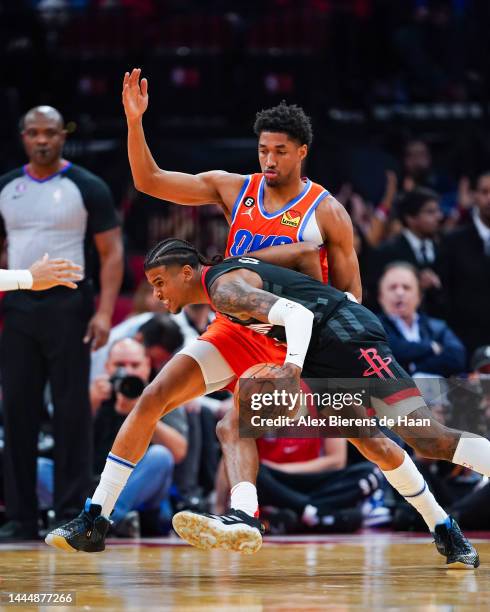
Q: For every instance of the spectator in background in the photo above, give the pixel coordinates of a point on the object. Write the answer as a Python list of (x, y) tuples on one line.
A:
[(370, 226), (161, 337), (305, 483), (421, 344), (465, 272), (418, 171), (149, 484), (417, 244), (480, 360), (311, 477), (144, 306), (51, 205)]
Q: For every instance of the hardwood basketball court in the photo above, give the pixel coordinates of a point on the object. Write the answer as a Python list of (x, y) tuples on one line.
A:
[(370, 571)]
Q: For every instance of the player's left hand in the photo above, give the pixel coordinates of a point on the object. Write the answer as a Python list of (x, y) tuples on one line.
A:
[(98, 330)]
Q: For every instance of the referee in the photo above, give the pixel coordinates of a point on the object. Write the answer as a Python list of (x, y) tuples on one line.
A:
[(51, 205)]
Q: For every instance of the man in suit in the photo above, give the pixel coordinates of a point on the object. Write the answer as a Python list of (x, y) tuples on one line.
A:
[(421, 344), (421, 217), (465, 272)]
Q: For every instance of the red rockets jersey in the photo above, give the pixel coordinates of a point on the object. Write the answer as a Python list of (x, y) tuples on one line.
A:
[(253, 228)]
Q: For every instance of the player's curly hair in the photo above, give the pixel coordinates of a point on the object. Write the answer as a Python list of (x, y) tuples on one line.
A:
[(289, 119), (176, 251)]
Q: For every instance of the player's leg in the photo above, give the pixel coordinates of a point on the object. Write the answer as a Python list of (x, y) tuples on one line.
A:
[(441, 442), (367, 356), (434, 440), (241, 461), (239, 530), (179, 381), (148, 485), (403, 475)]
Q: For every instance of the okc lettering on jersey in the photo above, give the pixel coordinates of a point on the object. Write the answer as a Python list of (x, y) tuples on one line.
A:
[(244, 242)]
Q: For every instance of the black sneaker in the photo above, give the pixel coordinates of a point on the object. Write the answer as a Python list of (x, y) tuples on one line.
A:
[(86, 532), (235, 531), (452, 544)]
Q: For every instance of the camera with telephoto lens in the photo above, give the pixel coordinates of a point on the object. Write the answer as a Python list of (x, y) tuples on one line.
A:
[(126, 384)]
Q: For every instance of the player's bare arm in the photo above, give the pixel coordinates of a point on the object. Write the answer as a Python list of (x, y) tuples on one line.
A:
[(214, 187), (303, 257), (238, 293), (336, 227)]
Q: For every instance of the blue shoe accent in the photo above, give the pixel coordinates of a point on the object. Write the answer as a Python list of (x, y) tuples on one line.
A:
[(88, 503), (446, 522), (452, 544)]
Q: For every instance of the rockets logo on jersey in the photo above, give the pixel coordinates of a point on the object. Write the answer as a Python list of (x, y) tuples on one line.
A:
[(245, 241)]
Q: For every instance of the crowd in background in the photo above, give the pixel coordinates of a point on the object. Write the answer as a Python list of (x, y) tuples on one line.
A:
[(420, 213)]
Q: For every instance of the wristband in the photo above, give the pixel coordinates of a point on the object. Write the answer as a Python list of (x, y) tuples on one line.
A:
[(15, 279)]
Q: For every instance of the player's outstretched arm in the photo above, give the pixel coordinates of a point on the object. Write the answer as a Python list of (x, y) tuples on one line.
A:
[(43, 274), (215, 187), (303, 257), (232, 294), (336, 227), (48, 273)]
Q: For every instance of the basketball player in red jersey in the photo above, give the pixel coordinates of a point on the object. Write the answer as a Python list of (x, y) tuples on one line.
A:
[(273, 208)]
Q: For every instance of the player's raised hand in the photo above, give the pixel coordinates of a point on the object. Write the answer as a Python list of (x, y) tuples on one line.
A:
[(47, 273), (134, 95)]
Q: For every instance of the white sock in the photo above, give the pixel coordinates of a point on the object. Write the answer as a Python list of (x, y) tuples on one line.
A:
[(410, 483), (473, 453), (244, 497), (112, 481)]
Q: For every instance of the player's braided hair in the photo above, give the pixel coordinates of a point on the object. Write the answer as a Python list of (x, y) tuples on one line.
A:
[(289, 119), (176, 251)]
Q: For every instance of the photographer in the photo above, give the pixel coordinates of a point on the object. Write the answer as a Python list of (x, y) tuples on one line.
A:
[(127, 374)]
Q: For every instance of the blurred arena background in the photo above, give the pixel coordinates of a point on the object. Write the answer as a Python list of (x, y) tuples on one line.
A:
[(371, 73)]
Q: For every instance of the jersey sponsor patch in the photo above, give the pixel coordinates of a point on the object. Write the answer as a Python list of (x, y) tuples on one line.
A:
[(291, 218)]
